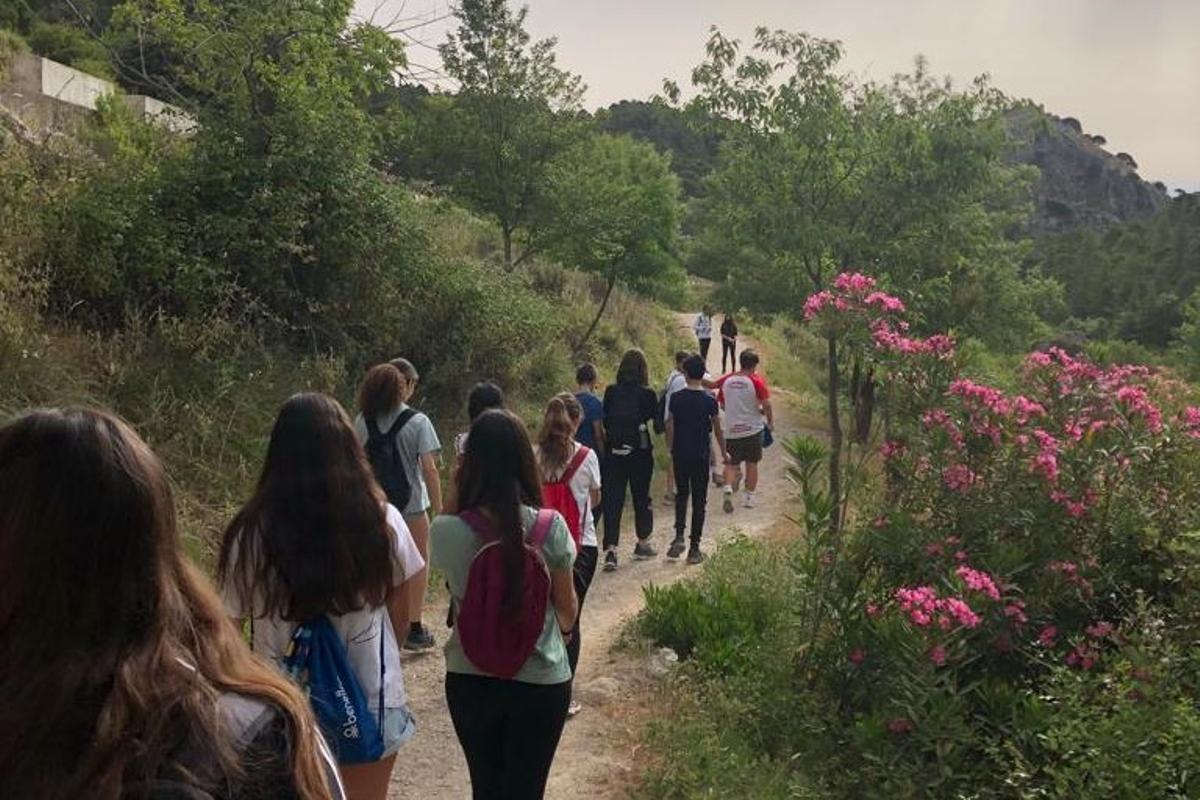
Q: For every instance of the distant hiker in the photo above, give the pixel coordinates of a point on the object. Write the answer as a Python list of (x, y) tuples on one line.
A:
[(508, 565), (318, 558), (403, 448), (120, 671), (570, 475), (591, 427), (483, 396), (747, 403), (729, 334), (629, 410), (703, 329), (675, 382), (693, 421)]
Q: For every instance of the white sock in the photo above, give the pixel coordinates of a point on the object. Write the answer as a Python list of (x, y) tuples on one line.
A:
[(728, 489)]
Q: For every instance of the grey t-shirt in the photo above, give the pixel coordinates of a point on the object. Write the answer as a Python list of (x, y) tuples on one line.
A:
[(415, 439)]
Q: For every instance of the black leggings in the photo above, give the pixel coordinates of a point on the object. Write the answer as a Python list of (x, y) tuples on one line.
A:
[(585, 570), (633, 471), (704, 343), (729, 348), (509, 731), (691, 479)]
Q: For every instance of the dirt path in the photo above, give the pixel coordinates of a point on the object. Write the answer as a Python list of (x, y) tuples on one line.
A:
[(598, 748)]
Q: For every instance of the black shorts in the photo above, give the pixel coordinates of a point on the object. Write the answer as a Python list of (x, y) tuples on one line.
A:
[(748, 449)]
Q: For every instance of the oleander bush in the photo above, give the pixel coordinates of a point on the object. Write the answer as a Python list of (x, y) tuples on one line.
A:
[(1010, 613)]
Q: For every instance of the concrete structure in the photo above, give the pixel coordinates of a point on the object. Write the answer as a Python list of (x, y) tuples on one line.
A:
[(48, 96)]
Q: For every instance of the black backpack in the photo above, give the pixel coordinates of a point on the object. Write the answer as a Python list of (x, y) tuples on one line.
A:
[(383, 451), (623, 417)]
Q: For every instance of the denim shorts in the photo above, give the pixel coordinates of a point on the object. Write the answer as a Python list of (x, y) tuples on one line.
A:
[(399, 725)]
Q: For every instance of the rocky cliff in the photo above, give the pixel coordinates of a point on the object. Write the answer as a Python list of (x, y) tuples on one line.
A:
[(1081, 184)]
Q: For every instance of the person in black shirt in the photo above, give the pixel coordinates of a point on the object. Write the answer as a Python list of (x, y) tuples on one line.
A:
[(629, 409), (729, 333), (692, 418)]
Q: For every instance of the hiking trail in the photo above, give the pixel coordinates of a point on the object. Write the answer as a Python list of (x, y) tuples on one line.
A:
[(598, 751)]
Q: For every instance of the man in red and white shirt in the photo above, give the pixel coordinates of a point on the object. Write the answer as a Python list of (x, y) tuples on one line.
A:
[(747, 403)]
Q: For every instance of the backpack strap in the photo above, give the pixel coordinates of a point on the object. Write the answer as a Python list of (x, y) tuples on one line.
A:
[(580, 455), (401, 421), (541, 526)]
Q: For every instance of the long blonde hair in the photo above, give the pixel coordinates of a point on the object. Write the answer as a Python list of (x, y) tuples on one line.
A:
[(114, 648), (556, 439)]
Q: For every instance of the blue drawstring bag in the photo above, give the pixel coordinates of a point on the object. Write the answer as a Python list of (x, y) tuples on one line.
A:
[(768, 438), (317, 661)]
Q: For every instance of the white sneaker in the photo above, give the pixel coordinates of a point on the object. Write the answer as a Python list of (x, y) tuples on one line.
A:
[(749, 503)]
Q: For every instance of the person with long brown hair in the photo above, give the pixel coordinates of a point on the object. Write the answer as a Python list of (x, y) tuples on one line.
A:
[(563, 460), (629, 410), (318, 539), (120, 672), (508, 728), (383, 410)]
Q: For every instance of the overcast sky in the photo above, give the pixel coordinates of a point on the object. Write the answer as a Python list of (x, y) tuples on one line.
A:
[(1128, 70)]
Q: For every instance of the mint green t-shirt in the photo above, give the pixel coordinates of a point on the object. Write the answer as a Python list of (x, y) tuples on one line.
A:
[(452, 545)]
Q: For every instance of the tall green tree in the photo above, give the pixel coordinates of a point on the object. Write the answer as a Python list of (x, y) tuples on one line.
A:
[(613, 209), (821, 174), (515, 111)]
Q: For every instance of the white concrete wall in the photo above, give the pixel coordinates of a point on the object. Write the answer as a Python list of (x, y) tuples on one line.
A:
[(72, 86), (49, 95)]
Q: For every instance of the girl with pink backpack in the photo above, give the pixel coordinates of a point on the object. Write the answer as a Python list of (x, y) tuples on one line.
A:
[(508, 565), (571, 486)]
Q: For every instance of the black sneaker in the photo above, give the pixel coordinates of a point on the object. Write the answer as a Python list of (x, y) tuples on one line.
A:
[(610, 561), (644, 550), (727, 503), (694, 555), (419, 638), (676, 548)]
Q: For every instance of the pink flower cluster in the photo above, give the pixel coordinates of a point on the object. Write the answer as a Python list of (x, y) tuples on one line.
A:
[(1069, 572), (894, 339), (1014, 610), (852, 292), (1191, 421), (924, 607), (959, 478), (978, 581)]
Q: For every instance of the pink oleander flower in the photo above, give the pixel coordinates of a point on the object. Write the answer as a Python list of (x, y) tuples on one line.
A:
[(978, 581), (885, 302), (958, 478), (960, 612), (1015, 611), (1137, 400), (857, 656), (1099, 630), (1048, 637), (873, 610), (1191, 421), (985, 396), (960, 555), (853, 282), (816, 303), (899, 725), (937, 655), (934, 549), (891, 449), (1083, 656), (1027, 409)]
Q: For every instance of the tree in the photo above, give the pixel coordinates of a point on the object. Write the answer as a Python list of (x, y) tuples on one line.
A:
[(515, 111), (613, 210), (820, 174)]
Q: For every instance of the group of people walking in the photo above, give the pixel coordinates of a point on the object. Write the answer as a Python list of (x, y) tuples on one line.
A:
[(127, 674)]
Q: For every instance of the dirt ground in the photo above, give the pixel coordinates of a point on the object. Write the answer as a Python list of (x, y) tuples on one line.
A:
[(598, 752)]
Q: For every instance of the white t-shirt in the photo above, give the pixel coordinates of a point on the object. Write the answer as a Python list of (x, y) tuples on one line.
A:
[(359, 629), (415, 439), (585, 479), (703, 326), (742, 397)]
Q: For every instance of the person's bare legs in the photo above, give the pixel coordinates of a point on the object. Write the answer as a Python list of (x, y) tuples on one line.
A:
[(418, 525), (751, 477), (368, 781)]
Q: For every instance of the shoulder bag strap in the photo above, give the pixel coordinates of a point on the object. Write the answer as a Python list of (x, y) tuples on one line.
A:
[(401, 421), (541, 526), (580, 455)]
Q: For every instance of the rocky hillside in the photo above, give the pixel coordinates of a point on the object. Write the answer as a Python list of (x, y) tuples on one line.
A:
[(1082, 184)]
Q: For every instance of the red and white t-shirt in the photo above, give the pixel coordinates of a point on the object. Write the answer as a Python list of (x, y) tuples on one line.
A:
[(742, 397)]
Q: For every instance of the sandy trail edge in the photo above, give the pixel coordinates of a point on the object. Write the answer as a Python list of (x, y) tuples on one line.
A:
[(598, 750)]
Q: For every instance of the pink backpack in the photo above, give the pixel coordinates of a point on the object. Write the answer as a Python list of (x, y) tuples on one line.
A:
[(495, 643), (558, 496)]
